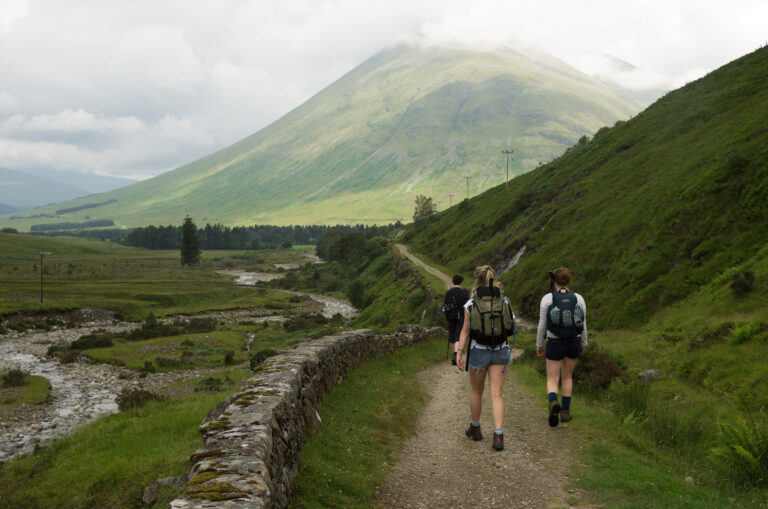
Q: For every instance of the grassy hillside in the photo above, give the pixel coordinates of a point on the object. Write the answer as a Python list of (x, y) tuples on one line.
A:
[(647, 213), (663, 221), (403, 123)]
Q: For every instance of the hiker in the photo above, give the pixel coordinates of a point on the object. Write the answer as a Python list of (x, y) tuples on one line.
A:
[(488, 321), (563, 323), (453, 307)]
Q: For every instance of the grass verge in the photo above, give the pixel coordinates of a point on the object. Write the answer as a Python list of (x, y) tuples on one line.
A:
[(365, 420), (34, 391), (109, 463)]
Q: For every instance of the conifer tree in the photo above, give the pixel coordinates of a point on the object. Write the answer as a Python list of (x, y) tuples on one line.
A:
[(190, 252)]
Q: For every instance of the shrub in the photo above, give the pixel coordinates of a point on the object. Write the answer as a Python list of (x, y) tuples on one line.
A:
[(229, 358), (742, 451), (14, 378), (135, 398), (260, 356), (597, 369), (356, 293), (304, 321), (200, 324), (748, 332), (98, 339), (741, 281), (148, 367), (167, 362)]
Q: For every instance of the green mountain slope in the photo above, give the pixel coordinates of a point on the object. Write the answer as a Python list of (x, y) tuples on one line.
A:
[(403, 123), (650, 214)]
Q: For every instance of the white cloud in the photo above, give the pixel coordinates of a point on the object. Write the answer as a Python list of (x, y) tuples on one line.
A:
[(136, 88)]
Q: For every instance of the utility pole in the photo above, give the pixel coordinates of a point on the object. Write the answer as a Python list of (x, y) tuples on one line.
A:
[(467, 177), (438, 205), (450, 200), (42, 253), (507, 153)]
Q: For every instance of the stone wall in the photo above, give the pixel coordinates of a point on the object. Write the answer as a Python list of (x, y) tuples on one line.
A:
[(252, 440)]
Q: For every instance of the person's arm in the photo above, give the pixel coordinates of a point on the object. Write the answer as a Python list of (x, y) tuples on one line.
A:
[(584, 338), (462, 341), (541, 331)]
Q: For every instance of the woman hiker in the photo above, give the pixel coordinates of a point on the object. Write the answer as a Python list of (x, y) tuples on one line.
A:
[(563, 323), (488, 353)]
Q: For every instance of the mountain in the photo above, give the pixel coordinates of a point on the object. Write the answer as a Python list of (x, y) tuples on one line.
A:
[(403, 123), (90, 182), (658, 216), (25, 191)]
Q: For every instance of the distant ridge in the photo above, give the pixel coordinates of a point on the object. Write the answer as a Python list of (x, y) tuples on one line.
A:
[(405, 122)]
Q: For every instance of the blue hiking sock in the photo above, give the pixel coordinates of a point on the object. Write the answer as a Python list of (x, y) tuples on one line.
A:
[(552, 396), (475, 424), (566, 402), (498, 431)]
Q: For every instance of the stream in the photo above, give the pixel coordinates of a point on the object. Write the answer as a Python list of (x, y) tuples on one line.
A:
[(82, 392)]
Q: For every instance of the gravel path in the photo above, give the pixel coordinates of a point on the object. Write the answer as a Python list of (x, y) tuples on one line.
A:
[(440, 467), (445, 279)]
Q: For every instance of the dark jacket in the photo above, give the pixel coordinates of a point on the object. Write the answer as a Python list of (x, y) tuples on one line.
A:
[(461, 296)]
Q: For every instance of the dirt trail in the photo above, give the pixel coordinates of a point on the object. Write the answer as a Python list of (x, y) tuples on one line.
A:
[(445, 279), (440, 467)]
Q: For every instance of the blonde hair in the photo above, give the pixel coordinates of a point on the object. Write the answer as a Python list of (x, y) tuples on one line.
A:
[(483, 274)]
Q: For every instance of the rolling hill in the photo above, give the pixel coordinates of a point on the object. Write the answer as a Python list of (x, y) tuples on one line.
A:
[(653, 215), (405, 122)]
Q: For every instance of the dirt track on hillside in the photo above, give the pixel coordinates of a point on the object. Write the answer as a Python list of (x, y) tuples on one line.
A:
[(440, 467)]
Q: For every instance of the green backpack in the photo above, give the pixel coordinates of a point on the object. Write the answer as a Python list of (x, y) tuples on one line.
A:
[(491, 320)]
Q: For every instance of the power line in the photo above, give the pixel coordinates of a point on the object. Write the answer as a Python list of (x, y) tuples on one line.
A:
[(467, 177), (507, 153)]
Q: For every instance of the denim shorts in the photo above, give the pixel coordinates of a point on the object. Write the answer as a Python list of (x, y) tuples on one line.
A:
[(482, 358)]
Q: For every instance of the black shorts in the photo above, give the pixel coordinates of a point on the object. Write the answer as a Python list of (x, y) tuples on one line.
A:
[(454, 330), (558, 349)]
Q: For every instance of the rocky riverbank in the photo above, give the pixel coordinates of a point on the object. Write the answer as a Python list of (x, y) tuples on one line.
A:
[(82, 392)]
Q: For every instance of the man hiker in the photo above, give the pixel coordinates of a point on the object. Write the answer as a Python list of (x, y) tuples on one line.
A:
[(453, 307)]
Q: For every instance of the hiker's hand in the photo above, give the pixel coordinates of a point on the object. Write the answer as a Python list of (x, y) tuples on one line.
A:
[(540, 351), (459, 361)]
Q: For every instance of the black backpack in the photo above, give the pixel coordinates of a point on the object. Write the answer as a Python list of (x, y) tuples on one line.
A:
[(565, 317), (453, 312), (491, 320)]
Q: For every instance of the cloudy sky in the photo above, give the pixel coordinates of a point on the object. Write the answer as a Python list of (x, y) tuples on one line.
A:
[(135, 88)]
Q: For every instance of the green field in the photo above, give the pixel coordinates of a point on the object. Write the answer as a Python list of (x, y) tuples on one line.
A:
[(131, 281)]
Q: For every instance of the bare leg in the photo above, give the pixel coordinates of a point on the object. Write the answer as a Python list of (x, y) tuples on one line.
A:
[(567, 377), (553, 375), (496, 384), (477, 379)]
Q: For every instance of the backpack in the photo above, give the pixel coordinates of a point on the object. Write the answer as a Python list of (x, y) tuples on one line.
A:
[(491, 320), (565, 317), (452, 311)]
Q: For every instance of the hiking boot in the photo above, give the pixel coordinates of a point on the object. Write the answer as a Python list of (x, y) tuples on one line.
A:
[(473, 432), (565, 415), (453, 359), (498, 441), (554, 410)]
